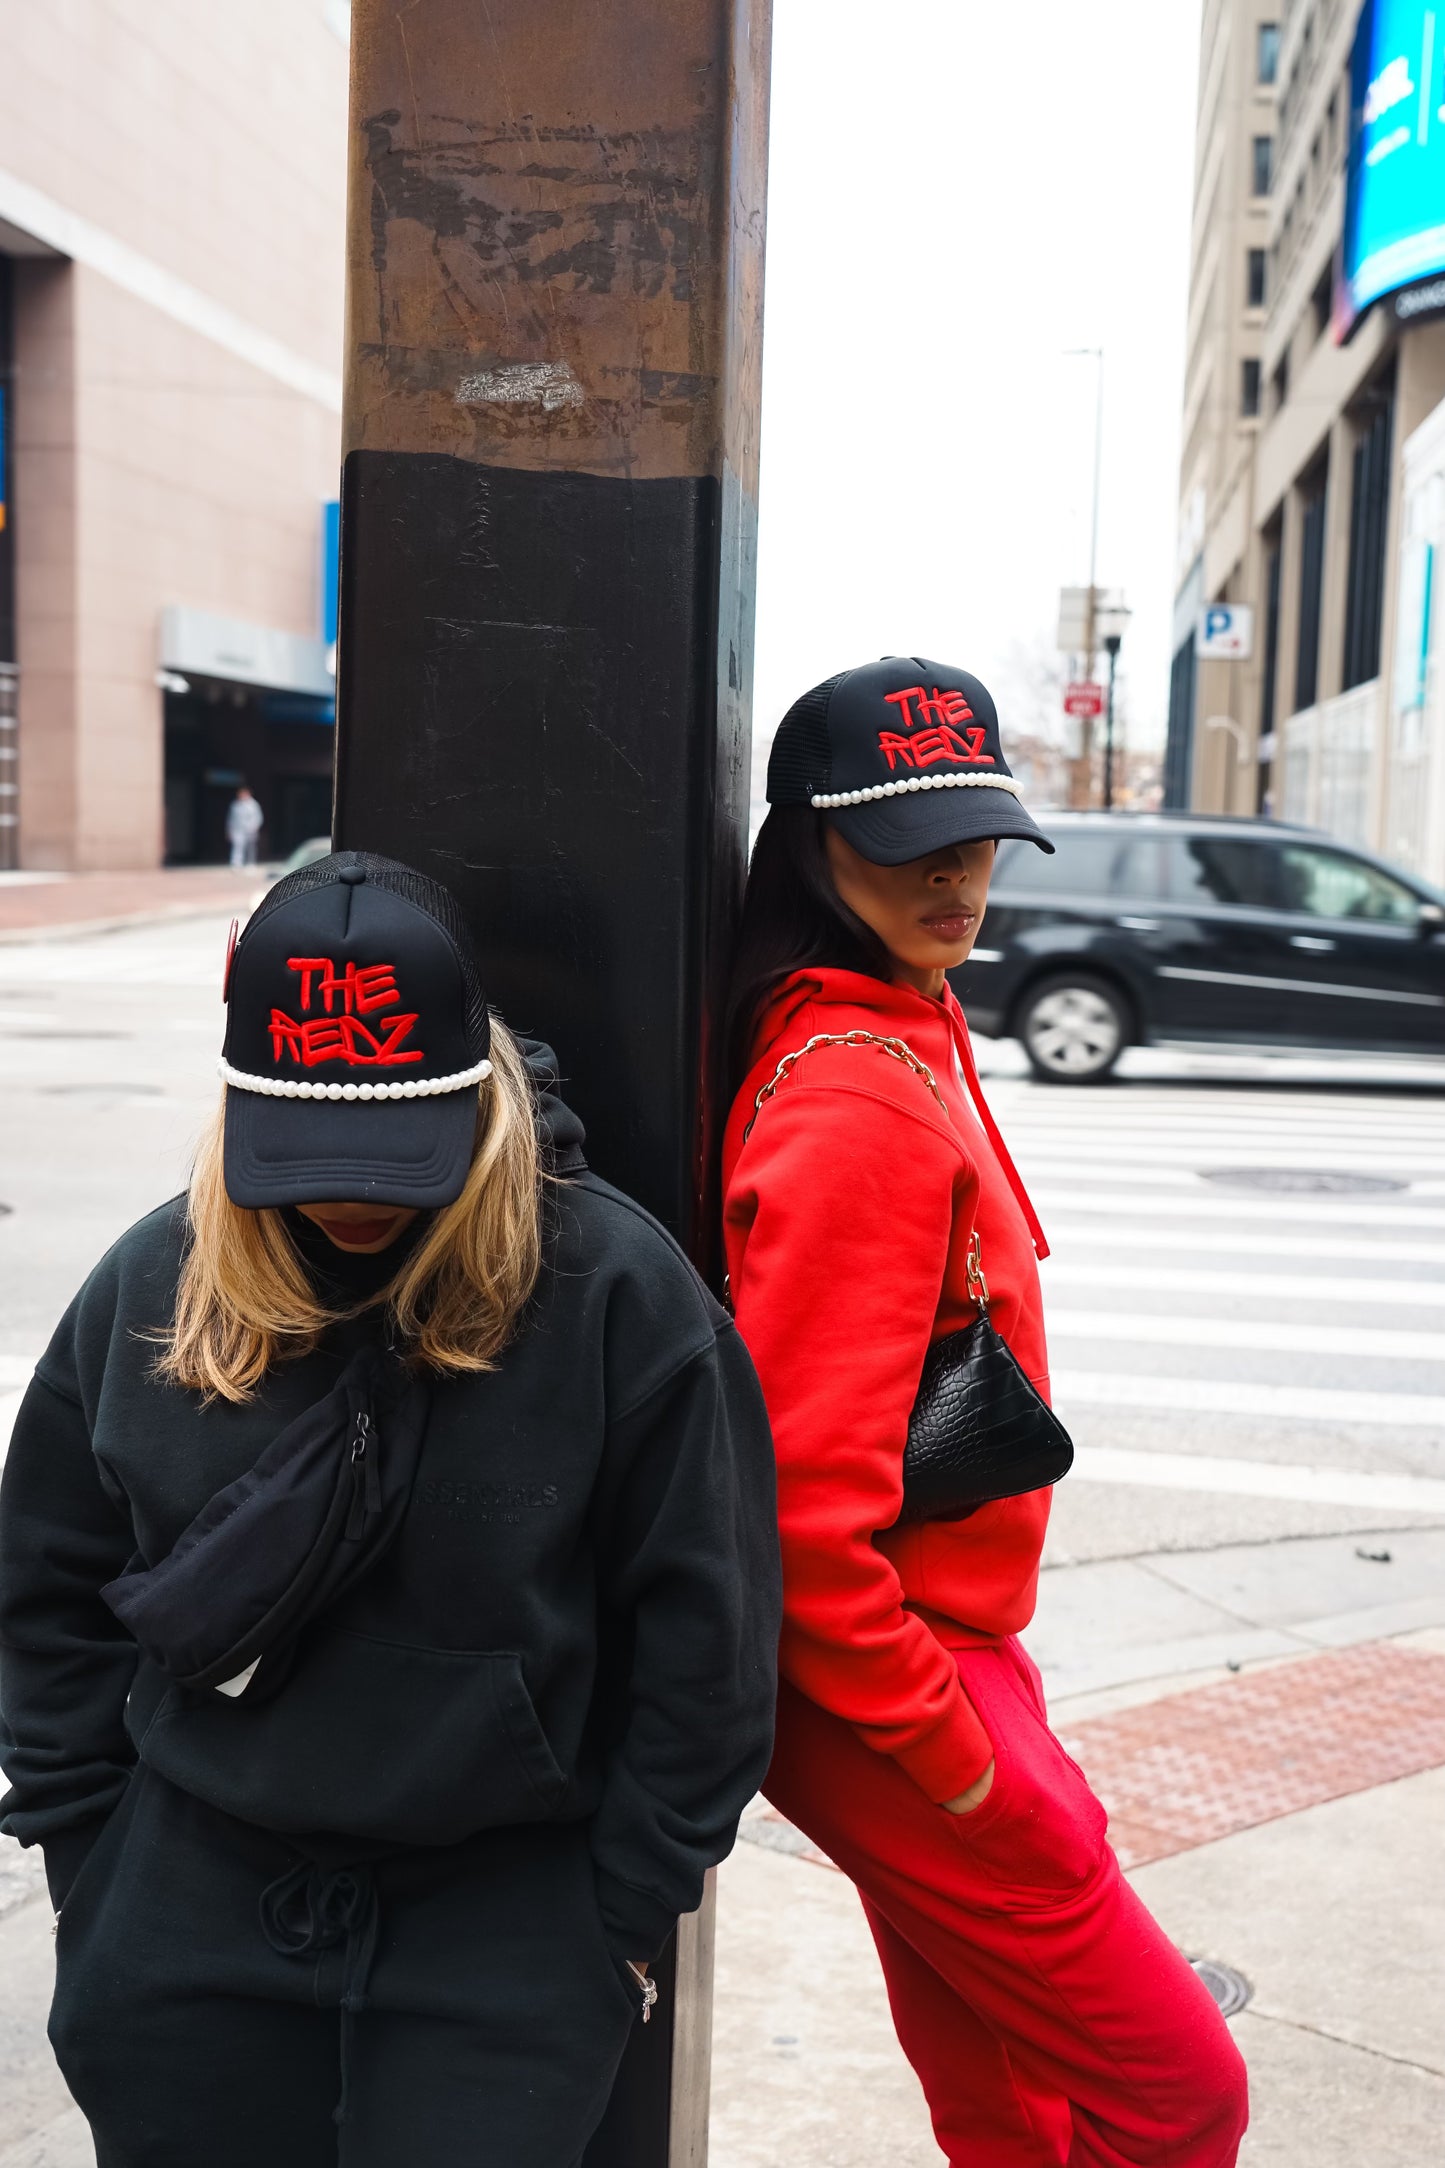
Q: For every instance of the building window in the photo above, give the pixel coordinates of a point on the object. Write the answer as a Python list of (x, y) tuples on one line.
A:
[(1248, 388), (1267, 70), (1311, 585), (1254, 279), (1262, 150), (1369, 511), (1271, 641), (1279, 382), (1179, 743), (1321, 302)]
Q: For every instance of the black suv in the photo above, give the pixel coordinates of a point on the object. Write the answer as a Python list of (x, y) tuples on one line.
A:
[(1145, 927)]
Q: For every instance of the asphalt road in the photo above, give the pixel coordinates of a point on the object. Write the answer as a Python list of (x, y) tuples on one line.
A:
[(1246, 1304)]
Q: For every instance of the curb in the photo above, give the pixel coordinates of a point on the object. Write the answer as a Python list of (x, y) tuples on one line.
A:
[(79, 929)]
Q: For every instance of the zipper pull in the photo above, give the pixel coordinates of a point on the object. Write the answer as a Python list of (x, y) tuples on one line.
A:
[(372, 1464), (365, 1490), (649, 1994)]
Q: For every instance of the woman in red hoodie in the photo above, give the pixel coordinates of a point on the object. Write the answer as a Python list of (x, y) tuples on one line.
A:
[(1048, 2017)]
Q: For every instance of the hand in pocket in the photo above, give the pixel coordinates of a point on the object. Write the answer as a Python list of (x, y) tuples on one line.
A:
[(975, 1796)]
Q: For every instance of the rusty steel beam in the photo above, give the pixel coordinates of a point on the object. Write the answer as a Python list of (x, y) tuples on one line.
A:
[(549, 509), (549, 494)]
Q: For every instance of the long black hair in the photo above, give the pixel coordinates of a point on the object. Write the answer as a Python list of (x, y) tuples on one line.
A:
[(793, 916)]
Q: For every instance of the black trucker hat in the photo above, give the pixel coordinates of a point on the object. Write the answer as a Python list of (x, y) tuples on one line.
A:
[(356, 1037), (903, 755)]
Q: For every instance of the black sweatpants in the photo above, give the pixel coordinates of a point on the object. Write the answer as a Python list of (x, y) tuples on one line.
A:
[(223, 1999)]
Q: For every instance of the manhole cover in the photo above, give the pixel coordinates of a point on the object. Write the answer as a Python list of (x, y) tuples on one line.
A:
[(775, 1836), (1229, 1988), (1302, 1181)]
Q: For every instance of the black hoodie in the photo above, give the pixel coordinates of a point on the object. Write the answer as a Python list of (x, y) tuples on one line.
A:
[(578, 1619)]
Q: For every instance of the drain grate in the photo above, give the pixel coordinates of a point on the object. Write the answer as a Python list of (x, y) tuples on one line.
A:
[(1303, 1181), (1229, 1988)]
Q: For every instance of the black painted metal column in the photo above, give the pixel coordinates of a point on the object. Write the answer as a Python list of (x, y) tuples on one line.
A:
[(548, 518)]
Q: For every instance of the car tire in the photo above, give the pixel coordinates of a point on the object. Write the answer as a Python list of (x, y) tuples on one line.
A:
[(1073, 1028)]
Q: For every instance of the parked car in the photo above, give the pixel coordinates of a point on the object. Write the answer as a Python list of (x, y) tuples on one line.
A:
[(1150, 927)]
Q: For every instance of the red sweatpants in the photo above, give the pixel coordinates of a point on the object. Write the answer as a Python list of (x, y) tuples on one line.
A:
[(1046, 2013)]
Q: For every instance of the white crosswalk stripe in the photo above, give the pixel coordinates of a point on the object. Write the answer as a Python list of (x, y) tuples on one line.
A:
[(1312, 1287), (1127, 1202), (1284, 1333), (1098, 1239), (1259, 1335)]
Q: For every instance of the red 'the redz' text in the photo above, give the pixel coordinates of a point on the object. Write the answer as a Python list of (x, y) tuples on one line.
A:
[(944, 738), (339, 1033)]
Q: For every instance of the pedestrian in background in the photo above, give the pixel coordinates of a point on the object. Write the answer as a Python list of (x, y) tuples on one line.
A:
[(870, 1205), (244, 822), (388, 1589)]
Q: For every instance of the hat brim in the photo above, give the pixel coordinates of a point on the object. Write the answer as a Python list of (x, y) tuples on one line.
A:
[(890, 831), (413, 1152)]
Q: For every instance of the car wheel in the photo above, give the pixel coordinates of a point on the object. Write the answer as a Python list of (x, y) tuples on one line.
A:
[(1073, 1029)]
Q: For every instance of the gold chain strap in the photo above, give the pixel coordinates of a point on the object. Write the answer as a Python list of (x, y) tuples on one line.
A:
[(900, 1051), (898, 1048)]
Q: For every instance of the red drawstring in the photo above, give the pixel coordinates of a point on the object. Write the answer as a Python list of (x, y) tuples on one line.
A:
[(970, 1069)]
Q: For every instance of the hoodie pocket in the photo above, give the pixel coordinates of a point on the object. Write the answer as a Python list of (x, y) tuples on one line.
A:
[(368, 1738)]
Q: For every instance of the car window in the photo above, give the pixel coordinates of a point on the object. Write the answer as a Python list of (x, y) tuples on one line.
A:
[(1331, 884), (1086, 862), (1009, 867), (1238, 870)]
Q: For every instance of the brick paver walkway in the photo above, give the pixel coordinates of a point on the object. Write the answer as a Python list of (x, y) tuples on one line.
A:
[(1181, 1771), (29, 907)]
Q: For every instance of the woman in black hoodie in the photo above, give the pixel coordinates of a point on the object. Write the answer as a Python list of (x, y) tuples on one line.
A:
[(389, 1593)]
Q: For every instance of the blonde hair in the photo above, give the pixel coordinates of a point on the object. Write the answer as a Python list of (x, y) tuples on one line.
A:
[(245, 1300)]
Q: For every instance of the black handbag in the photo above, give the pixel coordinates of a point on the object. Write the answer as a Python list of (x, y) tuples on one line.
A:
[(979, 1430)]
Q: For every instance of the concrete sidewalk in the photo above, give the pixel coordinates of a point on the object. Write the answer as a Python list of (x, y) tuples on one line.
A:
[(1282, 1819), (42, 906), (1303, 1871)]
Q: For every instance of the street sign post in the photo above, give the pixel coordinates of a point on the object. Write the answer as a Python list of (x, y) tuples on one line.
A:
[(1084, 698), (548, 521)]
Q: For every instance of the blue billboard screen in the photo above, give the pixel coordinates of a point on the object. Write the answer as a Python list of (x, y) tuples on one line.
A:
[(1395, 201)]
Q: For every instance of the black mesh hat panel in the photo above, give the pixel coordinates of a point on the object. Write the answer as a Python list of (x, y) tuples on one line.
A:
[(416, 888), (357, 1037), (801, 761), (903, 756)]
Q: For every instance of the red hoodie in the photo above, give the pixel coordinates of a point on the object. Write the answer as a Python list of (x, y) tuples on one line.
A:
[(848, 1213)]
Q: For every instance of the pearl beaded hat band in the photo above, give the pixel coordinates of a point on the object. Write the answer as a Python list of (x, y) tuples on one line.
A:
[(827, 800), (357, 1034), (275, 1087), (904, 757)]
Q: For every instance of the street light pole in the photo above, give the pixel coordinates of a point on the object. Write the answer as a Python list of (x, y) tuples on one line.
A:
[(1084, 780), (1111, 646)]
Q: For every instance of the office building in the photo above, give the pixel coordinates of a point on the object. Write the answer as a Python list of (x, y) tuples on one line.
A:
[(1321, 442), (172, 184), (1228, 287)]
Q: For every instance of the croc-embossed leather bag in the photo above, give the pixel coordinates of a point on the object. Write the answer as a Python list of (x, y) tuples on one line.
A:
[(979, 1430)]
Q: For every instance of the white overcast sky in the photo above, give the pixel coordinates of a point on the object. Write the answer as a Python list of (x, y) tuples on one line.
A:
[(959, 190)]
